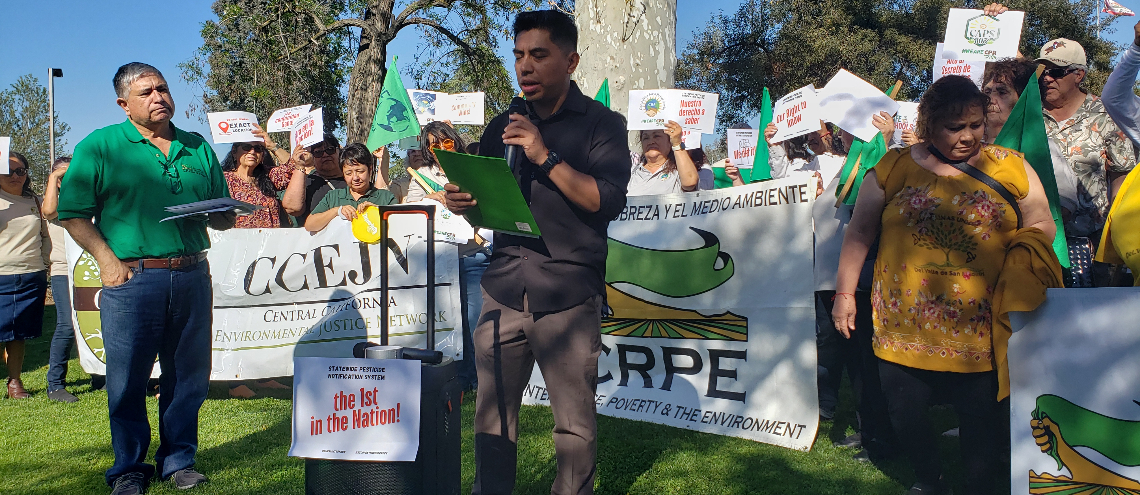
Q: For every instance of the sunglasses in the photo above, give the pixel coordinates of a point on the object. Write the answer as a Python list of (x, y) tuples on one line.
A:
[(18, 172), (326, 151), (243, 148), (1059, 72), (446, 145)]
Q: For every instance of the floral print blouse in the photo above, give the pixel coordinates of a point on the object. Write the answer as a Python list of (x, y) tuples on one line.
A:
[(942, 245), (265, 218)]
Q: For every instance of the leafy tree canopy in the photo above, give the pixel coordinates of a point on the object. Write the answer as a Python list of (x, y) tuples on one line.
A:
[(24, 118)]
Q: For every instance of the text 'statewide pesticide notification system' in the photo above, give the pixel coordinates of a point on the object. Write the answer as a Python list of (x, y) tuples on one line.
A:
[(356, 409)]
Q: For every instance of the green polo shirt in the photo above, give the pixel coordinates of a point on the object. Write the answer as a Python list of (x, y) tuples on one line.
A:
[(342, 197), (125, 183)]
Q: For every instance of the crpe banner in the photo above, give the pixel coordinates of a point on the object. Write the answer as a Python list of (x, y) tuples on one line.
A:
[(710, 321), (1074, 410), (285, 293)]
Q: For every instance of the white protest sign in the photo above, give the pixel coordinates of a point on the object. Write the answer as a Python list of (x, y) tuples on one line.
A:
[(463, 108), (849, 102), (1074, 420), (965, 68), (232, 127), (742, 146), (723, 341), (5, 144), (796, 114), (284, 119), (426, 104), (973, 35), (905, 119), (693, 110), (356, 409), (308, 130)]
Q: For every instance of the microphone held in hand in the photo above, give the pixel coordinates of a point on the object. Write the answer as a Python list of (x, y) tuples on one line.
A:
[(513, 151)]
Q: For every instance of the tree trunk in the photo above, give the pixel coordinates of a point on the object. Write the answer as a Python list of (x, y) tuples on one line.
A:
[(364, 86), (631, 42)]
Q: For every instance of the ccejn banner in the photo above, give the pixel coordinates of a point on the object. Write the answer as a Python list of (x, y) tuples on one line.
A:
[(724, 340), (283, 293)]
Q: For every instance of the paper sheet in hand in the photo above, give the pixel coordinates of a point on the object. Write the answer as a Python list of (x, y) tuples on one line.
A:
[(954, 67), (973, 35), (796, 114), (849, 102), (500, 204), (5, 143), (742, 146), (210, 206), (232, 127), (284, 119), (459, 108), (308, 130)]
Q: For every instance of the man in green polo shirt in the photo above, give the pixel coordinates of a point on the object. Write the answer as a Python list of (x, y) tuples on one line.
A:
[(156, 298)]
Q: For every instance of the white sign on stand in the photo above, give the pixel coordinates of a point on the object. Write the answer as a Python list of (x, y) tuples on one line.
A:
[(356, 409), (742, 146), (947, 67), (973, 35), (796, 114), (309, 130), (284, 119), (232, 127), (849, 102)]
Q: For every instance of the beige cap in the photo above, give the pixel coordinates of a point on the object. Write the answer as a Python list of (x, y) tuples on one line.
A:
[(1063, 52)]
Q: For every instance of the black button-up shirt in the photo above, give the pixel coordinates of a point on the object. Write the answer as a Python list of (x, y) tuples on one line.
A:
[(567, 265)]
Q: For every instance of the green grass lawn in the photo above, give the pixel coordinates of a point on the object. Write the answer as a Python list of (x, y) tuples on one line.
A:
[(53, 448)]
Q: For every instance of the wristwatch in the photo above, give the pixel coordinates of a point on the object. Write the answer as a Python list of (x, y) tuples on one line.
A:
[(552, 159), (679, 147)]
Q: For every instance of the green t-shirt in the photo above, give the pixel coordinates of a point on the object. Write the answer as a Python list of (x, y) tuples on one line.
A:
[(125, 183), (342, 197)]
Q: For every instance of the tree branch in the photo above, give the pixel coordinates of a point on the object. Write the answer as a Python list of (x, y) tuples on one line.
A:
[(402, 19), (467, 49), (339, 24)]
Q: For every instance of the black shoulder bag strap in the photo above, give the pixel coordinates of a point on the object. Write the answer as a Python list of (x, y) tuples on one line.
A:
[(982, 177)]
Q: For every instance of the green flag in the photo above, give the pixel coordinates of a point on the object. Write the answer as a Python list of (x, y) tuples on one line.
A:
[(760, 168), (604, 93), (395, 119), (721, 180), (1024, 131)]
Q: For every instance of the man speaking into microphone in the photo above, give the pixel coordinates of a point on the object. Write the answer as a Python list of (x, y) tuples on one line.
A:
[(543, 297)]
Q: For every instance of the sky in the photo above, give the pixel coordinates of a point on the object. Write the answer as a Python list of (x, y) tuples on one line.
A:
[(89, 40)]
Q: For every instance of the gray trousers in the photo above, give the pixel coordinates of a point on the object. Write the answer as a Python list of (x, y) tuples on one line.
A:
[(566, 345)]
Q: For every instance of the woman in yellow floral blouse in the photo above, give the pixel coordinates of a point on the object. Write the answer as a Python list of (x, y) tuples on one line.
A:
[(943, 241)]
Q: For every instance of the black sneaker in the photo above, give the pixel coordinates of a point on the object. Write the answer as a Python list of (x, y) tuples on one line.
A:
[(853, 441), (133, 483), (62, 395), (185, 479)]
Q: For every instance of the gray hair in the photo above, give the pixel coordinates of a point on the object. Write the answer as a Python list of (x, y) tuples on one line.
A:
[(59, 162), (129, 73)]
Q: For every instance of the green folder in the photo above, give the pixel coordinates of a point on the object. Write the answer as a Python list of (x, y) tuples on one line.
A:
[(500, 204)]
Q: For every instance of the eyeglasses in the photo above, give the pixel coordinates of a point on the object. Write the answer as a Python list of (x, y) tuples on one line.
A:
[(173, 179), (18, 172), (446, 145), (326, 151), (1060, 72), (243, 148)]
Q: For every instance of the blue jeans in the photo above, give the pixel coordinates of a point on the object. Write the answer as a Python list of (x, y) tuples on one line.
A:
[(471, 270), (168, 314), (64, 336)]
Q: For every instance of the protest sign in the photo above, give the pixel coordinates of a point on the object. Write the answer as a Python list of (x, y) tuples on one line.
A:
[(973, 35), (742, 146), (281, 293), (425, 104), (5, 145), (849, 102), (723, 341), (308, 130), (284, 119), (693, 110), (905, 119), (796, 114), (1074, 420), (232, 127), (947, 67), (458, 108), (356, 409)]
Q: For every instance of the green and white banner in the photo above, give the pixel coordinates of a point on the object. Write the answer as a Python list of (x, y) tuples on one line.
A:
[(1075, 393), (710, 321), (284, 293)]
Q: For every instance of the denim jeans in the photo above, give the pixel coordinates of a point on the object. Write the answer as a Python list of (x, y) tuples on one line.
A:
[(168, 314), (471, 270), (64, 336)]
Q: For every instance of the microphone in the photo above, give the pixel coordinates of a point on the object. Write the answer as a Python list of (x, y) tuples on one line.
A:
[(513, 151)]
